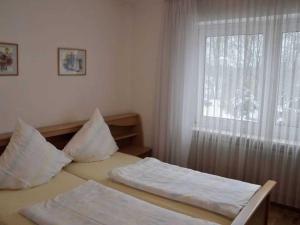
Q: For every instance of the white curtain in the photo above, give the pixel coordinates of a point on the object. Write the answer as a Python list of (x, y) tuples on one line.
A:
[(229, 91)]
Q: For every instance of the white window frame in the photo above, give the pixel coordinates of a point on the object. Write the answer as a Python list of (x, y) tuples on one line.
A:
[(247, 27)]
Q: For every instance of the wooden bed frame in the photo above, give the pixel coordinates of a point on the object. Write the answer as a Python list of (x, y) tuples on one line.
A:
[(127, 131)]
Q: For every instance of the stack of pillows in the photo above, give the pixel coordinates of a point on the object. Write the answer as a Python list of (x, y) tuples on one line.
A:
[(29, 160)]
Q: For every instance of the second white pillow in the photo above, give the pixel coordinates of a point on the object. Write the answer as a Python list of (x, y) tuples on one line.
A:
[(93, 142)]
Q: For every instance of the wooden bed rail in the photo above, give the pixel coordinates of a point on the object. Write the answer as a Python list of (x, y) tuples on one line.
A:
[(256, 211)]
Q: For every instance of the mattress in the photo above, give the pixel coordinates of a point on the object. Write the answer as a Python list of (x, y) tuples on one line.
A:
[(12, 200), (98, 171)]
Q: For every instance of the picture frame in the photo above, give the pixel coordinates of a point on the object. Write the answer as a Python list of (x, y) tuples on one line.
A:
[(71, 62), (9, 59)]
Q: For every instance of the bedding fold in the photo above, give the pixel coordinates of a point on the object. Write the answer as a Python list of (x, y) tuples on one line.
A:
[(218, 194), (94, 204)]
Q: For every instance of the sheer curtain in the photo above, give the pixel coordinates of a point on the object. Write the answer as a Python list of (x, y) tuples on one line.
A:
[(229, 91)]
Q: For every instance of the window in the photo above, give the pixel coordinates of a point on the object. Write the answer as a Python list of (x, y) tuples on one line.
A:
[(288, 101), (224, 63), (250, 77)]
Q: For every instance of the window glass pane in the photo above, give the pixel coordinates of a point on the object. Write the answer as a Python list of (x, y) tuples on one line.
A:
[(232, 67), (288, 101)]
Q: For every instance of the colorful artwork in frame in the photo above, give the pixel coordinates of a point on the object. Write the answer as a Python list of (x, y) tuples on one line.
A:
[(71, 62), (8, 59)]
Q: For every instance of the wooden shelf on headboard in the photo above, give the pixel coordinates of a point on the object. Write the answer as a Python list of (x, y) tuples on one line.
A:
[(137, 151), (125, 128), (125, 136)]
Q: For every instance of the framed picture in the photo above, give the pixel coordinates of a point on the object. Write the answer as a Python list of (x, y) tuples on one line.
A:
[(8, 59), (71, 62)]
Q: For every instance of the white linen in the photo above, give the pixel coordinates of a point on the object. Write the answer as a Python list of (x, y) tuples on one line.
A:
[(93, 142), (95, 204), (218, 194), (29, 160)]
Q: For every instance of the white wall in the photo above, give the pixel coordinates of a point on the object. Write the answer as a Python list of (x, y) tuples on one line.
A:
[(122, 40), (147, 36), (38, 94)]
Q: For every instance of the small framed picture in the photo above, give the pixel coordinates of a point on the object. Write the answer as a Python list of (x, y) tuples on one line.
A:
[(8, 59), (71, 62)]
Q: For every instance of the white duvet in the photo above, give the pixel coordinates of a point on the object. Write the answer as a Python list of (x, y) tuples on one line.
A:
[(94, 204), (218, 194)]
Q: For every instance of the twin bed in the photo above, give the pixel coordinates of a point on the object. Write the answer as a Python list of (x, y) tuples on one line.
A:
[(76, 174)]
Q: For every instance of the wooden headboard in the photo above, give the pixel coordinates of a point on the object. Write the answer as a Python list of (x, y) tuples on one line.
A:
[(125, 128)]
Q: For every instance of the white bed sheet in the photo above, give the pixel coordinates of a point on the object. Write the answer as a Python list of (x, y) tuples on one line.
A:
[(218, 194), (94, 204)]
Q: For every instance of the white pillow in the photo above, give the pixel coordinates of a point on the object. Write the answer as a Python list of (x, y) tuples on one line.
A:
[(29, 160), (93, 142)]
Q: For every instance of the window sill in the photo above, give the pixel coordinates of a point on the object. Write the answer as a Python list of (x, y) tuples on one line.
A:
[(247, 137)]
